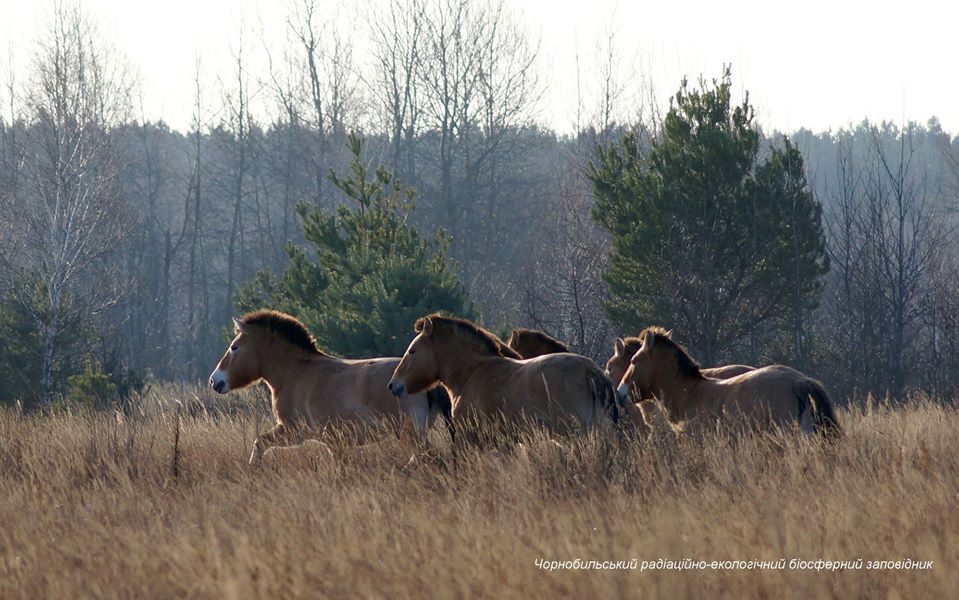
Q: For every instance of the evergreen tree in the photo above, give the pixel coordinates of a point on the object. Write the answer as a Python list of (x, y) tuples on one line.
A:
[(23, 309), (706, 237), (368, 274), (796, 245), (21, 352)]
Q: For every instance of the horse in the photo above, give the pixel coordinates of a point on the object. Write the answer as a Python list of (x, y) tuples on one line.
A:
[(530, 343), (311, 389), (768, 398), (625, 348), (563, 392)]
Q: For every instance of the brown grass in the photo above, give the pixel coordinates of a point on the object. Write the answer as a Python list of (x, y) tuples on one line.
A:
[(94, 506)]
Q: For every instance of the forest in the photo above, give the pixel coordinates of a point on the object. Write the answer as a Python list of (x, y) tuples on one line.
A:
[(361, 190)]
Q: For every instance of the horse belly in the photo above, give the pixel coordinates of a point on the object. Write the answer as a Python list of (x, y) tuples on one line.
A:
[(552, 402), (572, 397), (763, 414)]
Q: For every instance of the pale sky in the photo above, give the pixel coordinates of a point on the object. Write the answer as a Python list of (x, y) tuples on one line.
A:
[(818, 64)]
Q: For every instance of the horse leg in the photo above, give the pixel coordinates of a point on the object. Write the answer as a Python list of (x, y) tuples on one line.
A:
[(423, 415), (438, 403), (637, 420), (281, 435), (413, 431)]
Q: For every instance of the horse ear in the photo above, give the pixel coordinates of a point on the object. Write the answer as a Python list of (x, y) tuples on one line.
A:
[(620, 346), (239, 326), (648, 340), (428, 326)]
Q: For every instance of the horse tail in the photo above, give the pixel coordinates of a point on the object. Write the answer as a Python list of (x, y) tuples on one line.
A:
[(604, 395), (438, 400), (812, 396)]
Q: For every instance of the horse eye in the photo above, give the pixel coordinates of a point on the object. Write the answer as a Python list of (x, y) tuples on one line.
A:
[(412, 351), (233, 348)]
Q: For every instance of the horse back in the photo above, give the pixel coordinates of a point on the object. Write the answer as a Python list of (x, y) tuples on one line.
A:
[(767, 393), (766, 375), (727, 371), (572, 383)]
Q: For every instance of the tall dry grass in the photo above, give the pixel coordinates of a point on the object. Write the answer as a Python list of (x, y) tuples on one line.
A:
[(102, 506)]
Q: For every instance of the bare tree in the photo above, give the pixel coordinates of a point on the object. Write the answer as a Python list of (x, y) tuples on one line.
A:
[(562, 287), (68, 204), (293, 154), (450, 80), (888, 238), (198, 300), (237, 124), (397, 54), (845, 247), (601, 103), (611, 85), (908, 236), (153, 251), (331, 84), (479, 89)]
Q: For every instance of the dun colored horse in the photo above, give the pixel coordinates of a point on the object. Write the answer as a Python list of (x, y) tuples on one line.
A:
[(530, 343), (563, 392), (625, 348), (761, 399), (311, 389)]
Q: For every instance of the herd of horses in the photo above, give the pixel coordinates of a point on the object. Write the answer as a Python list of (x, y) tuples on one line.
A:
[(457, 371)]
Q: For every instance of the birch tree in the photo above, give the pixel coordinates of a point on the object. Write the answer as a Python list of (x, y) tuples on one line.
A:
[(67, 201)]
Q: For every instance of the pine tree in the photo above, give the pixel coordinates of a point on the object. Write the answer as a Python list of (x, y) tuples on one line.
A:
[(706, 237), (23, 308), (368, 274), (21, 351)]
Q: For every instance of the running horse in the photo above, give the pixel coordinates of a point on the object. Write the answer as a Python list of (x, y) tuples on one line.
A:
[(312, 390), (531, 343), (563, 392), (625, 348), (773, 397)]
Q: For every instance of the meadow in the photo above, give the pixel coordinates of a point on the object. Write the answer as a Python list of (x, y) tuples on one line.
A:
[(160, 503)]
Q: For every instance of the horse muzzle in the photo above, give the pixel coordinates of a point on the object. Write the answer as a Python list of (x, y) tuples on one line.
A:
[(623, 391), (218, 382), (397, 389)]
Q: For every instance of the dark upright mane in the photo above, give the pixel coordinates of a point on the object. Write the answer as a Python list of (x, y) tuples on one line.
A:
[(283, 326), (687, 365), (538, 337), (473, 334)]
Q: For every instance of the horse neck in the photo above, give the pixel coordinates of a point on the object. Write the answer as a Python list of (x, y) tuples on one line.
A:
[(548, 348), (456, 372), (280, 362), (677, 391), (525, 350)]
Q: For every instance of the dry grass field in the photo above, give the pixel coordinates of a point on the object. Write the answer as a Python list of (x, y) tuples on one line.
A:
[(99, 506)]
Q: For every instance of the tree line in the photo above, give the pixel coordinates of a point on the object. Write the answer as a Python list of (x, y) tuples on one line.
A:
[(126, 245)]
